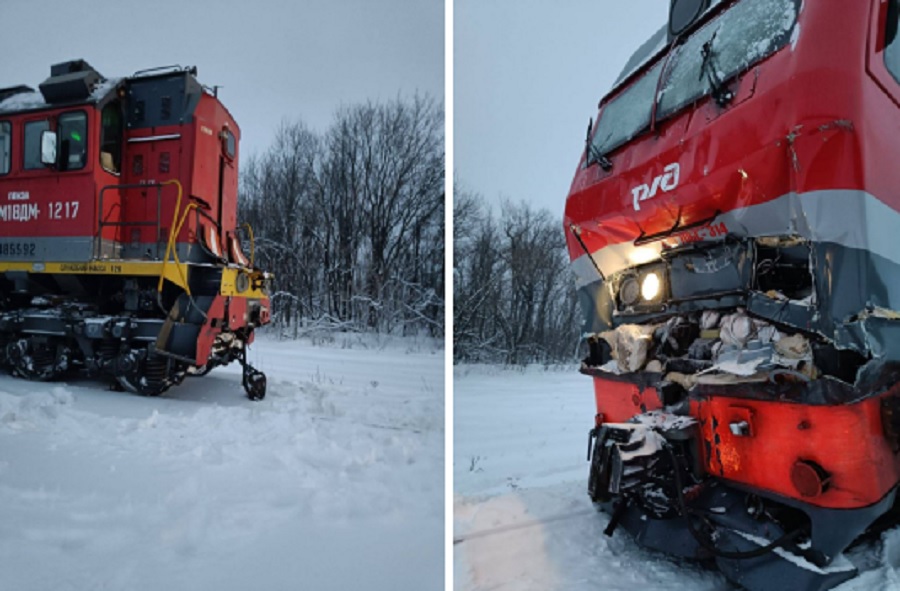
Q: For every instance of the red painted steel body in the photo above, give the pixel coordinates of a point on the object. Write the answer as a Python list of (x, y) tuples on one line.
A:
[(820, 114), (193, 152), (131, 265), (780, 130)]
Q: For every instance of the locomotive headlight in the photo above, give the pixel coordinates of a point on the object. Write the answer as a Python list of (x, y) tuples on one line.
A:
[(629, 291), (651, 286)]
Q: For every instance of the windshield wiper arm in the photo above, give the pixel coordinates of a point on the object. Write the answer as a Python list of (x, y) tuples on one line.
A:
[(591, 153), (720, 92)]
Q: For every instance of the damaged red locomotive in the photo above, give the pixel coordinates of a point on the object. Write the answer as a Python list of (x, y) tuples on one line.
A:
[(120, 253), (731, 225)]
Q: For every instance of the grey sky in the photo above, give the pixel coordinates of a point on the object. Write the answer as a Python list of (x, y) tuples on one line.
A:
[(296, 59), (528, 75)]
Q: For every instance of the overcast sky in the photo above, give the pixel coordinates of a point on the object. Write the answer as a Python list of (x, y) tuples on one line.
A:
[(296, 59), (529, 73), (528, 76)]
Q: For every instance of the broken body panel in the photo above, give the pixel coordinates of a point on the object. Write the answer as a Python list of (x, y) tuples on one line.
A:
[(735, 261)]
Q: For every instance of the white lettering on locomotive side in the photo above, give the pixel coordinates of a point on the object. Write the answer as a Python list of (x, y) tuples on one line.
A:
[(18, 196), (63, 210), (19, 212), (665, 182)]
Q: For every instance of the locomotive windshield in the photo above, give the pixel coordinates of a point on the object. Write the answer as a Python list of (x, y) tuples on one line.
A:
[(628, 115), (746, 33)]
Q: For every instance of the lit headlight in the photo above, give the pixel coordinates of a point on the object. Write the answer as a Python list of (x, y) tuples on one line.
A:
[(651, 286)]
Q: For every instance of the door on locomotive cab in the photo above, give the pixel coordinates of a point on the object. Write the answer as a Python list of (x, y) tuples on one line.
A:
[(226, 216), (111, 137)]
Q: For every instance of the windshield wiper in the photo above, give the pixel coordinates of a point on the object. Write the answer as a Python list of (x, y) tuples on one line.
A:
[(591, 153), (720, 92)]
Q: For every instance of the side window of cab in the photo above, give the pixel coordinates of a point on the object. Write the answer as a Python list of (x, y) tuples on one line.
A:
[(883, 47), (5, 147), (891, 41), (32, 152), (72, 133)]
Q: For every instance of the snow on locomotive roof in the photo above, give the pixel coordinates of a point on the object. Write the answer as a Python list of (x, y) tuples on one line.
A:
[(34, 100), (649, 49)]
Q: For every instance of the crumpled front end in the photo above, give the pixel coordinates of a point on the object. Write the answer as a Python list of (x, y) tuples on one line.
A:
[(747, 401), (733, 230)]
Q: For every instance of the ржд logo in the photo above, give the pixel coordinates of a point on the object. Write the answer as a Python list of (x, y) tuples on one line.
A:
[(666, 182)]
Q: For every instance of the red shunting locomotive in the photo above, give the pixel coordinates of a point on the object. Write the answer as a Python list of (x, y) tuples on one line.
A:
[(120, 253), (731, 225)]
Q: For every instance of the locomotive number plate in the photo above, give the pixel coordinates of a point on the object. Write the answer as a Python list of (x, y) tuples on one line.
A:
[(17, 249)]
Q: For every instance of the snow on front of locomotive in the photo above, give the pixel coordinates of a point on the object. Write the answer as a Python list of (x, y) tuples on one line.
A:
[(717, 224)]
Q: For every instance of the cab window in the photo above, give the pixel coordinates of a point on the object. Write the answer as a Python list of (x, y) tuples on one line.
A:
[(111, 137), (732, 42), (5, 146), (33, 130), (229, 144), (891, 42), (72, 133)]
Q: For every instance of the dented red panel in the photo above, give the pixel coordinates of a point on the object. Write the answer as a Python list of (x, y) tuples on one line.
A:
[(618, 402), (847, 441)]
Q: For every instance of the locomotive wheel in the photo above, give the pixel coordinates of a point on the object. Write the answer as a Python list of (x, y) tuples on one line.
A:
[(38, 359), (254, 383), (147, 376)]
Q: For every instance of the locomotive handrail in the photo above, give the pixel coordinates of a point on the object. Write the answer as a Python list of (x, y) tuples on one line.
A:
[(98, 245), (252, 242), (174, 68), (576, 232), (201, 212), (173, 233)]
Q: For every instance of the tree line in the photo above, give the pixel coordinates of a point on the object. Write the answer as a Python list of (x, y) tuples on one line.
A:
[(514, 296), (351, 221)]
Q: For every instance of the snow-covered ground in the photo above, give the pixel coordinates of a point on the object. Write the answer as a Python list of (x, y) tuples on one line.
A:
[(523, 521), (334, 481)]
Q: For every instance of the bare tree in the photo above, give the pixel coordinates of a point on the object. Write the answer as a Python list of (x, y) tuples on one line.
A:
[(514, 300), (352, 220)]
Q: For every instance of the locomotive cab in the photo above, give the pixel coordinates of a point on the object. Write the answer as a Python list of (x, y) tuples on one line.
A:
[(120, 252), (730, 224)]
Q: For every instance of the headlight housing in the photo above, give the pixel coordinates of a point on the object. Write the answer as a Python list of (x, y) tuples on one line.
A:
[(629, 291)]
